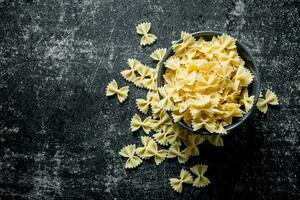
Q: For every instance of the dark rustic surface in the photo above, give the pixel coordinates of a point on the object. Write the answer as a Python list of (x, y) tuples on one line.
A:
[(60, 135)]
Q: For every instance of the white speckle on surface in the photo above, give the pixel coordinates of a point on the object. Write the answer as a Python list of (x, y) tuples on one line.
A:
[(239, 8)]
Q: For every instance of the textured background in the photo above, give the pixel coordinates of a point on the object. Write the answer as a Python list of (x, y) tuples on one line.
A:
[(60, 135)]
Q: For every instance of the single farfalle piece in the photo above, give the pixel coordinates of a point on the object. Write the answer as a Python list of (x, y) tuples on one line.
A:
[(137, 123), (270, 98), (182, 156), (143, 72), (150, 82), (160, 156), (166, 101), (129, 152), (161, 135), (144, 104), (147, 38), (112, 89), (172, 63), (243, 78), (129, 74), (162, 120), (187, 41), (149, 148), (185, 177), (225, 43), (206, 123), (216, 140), (193, 142), (200, 180), (158, 54), (246, 100)]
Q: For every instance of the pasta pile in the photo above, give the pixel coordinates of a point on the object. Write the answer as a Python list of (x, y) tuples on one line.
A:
[(205, 85)]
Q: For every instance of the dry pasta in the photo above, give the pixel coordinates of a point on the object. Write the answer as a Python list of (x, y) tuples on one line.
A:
[(129, 152), (143, 30), (270, 98), (206, 86), (206, 83), (137, 123), (200, 180), (185, 177), (112, 88)]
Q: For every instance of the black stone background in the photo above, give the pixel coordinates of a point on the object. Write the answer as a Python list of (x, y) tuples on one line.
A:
[(60, 135)]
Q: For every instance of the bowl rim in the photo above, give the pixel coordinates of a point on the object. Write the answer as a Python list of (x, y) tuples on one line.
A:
[(256, 78)]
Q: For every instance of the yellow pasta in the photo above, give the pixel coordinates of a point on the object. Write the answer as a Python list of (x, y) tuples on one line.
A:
[(158, 54), (129, 74), (216, 140), (137, 123), (144, 104), (185, 177), (246, 100), (143, 30), (112, 89), (200, 180), (129, 152), (270, 98), (161, 135), (147, 150), (162, 120), (182, 156), (192, 144), (205, 83), (205, 86), (150, 149)]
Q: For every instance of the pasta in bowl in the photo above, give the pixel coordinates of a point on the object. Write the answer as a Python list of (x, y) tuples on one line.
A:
[(208, 82)]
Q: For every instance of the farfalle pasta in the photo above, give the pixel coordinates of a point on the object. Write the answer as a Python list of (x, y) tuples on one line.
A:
[(143, 30), (200, 180), (129, 152), (112, 89), (184, 177), (158, 54), (182, 155), (206, 83), (270, 98), (137, 123)]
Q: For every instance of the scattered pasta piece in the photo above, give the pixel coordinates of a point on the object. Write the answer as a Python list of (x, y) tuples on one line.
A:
[(158, 54), (247, 101), (144, 104), (182, 156), (129, 74), (112, 88), (192, 144), (185, 177), (128, 152), (270, 98), (216, 140), (137, 123), (148, 149), (147, 38), (201, 180)]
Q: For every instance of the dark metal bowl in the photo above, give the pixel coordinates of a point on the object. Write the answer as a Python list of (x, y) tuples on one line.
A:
[(253, 88)]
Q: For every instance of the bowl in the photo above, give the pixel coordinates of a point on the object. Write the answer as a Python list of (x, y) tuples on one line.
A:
[(253, 88)]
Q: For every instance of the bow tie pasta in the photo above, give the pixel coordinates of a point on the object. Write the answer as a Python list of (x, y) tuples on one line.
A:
[(208, 81), (206, 85)]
